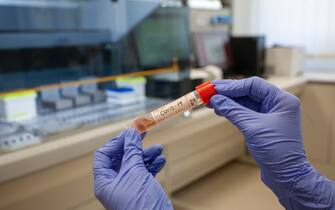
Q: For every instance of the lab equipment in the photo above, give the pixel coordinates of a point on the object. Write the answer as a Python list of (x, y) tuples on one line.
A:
[(72, 92), (121, 96), (221, 19), (165, 31), (200, 96), (170, 85), (91, 90), (205, 20), (270, 120), (248, 55), (51, 99), (209, 48), (18, 135), (213, 72), (71, 17), (18, 141), (136, 83), (285, 61), (18, 106), (124, 174), (205, 4), (14, 136), (95, 114), (107, 15), (26, 73)]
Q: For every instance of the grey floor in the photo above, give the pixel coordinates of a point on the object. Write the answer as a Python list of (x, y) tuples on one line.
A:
[(233, 187)]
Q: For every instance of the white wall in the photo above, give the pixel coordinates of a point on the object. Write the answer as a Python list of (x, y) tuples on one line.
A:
[(243, 17)]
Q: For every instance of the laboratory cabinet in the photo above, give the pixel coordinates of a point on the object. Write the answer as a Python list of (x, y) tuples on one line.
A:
[(200, 148), (202, 19), (193, 144), (333, 137), (318, 125), (59, 187)]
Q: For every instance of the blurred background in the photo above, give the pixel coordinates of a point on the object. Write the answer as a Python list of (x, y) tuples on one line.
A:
[(74, 73)]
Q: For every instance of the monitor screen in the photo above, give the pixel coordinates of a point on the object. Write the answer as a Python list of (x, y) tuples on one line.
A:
[(210, 47), (162, 36)]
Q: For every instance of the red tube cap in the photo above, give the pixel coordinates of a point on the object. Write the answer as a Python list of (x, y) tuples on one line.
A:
[(206, 91)]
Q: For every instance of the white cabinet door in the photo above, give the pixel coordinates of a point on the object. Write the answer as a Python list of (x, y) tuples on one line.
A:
[(318, 102), (333, 135)]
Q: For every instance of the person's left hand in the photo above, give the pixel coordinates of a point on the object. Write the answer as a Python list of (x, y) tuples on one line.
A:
[(124, 174)]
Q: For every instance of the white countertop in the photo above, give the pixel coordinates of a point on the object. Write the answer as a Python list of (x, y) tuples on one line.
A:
[(320, 77)]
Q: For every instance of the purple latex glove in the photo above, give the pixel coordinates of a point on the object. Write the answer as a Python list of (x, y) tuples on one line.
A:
[(124, 174), (270, 119)]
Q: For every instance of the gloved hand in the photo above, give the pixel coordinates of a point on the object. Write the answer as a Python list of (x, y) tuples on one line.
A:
[(124, 174), (270, 119)]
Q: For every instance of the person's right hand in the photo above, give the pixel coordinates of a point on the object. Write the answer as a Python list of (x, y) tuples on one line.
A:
[(269, 118)]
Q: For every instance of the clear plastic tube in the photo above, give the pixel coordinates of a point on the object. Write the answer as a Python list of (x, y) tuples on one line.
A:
[(200, 96), (180, 105)]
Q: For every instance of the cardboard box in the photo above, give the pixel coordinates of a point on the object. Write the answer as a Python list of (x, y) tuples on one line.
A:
[(285, 61)]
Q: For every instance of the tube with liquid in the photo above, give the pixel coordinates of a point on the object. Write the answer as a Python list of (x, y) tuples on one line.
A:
[(200, 96)]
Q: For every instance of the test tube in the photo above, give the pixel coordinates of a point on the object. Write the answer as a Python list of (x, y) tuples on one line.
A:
[(201, 95)]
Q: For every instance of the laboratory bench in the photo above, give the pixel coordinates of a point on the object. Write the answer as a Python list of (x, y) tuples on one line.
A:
[(57, 174)]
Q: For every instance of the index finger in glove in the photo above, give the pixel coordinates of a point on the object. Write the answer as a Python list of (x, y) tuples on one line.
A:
[(103, 168), (254, 87), (133, 150)]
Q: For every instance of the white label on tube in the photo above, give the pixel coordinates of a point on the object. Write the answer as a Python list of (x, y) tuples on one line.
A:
[(182, 104)]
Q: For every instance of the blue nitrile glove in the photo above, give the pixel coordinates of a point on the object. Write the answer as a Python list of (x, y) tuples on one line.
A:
[(124, 174), (269, 118)]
